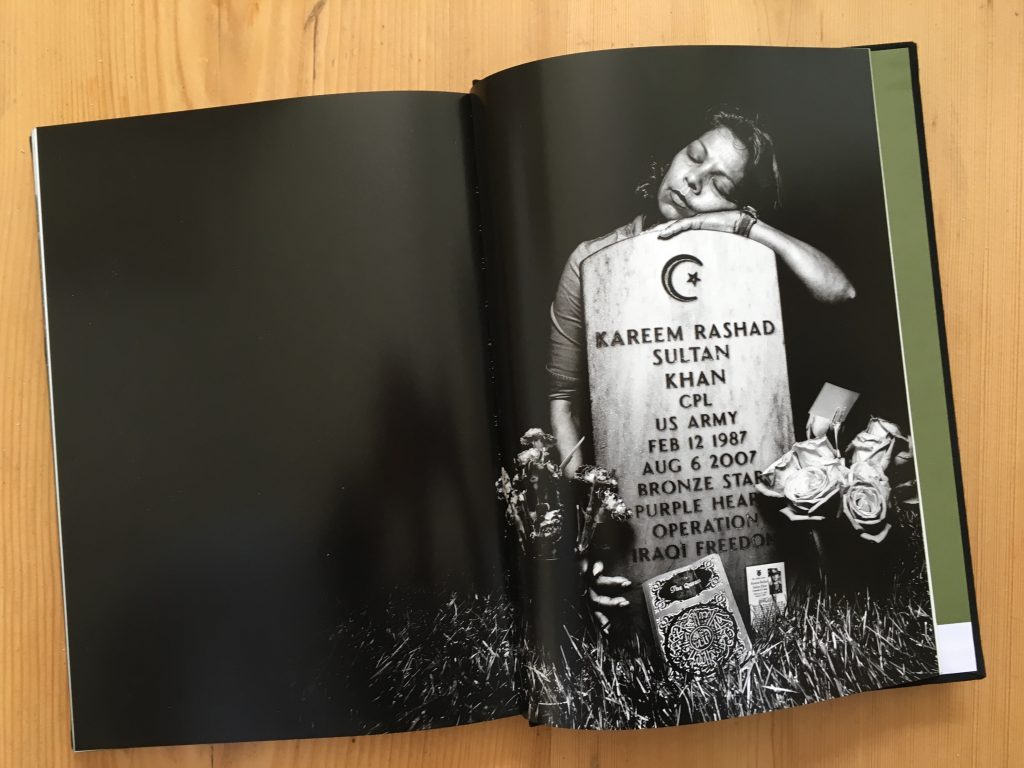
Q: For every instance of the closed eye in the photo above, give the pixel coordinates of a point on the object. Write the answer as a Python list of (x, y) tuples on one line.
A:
[(696, 151), (723, 186)]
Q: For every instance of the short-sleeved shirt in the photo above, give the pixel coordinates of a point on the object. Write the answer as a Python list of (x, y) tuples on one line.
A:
[(567, 359)]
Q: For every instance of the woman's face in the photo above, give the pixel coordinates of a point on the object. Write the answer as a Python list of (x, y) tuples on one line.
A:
[(703, 175)]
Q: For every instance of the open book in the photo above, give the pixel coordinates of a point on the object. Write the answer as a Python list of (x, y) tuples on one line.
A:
[(612, 394)]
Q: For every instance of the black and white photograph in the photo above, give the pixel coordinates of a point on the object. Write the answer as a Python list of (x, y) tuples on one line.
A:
[(580, 396), (702, 352)]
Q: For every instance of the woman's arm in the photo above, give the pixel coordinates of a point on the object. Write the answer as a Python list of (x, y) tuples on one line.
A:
[(604, 591), (823, 278), (566, 428), (818, 272)]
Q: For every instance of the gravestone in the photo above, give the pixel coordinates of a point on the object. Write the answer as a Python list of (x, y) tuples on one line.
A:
[(689, 395)]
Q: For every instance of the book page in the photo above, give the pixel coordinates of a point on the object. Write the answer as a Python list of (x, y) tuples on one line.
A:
[(273, 441), (707, 444)]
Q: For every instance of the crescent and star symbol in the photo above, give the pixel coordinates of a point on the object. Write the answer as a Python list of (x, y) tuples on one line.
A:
[(669, 269)]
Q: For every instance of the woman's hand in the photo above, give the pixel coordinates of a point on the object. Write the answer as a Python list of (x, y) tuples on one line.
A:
[(601, 591), (716, 221)]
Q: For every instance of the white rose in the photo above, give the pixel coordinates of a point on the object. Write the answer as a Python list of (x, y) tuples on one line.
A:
[(809, 488), (809, 453), (875, 443), (866, 505)]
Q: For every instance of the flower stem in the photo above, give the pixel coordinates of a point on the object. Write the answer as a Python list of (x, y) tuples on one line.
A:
[(565, 461)]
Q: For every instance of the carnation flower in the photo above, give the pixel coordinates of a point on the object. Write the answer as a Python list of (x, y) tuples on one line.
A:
[(602, 503), (538, 507), (530, 455), (613, 507), (549, 525), (596, 476), (537, 438)]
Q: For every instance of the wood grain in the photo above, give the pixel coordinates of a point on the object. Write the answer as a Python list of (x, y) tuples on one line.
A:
[(65, 62)]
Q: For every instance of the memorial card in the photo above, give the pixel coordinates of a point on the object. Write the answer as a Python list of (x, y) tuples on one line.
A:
[(766, 593)]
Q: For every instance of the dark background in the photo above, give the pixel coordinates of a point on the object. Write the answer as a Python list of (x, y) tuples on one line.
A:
[(565, 142), (268, 374)]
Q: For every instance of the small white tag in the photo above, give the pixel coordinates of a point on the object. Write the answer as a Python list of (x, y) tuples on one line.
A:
[(833, 403)]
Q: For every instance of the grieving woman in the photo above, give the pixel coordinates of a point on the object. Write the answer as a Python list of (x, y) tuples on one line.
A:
[(719, 181)]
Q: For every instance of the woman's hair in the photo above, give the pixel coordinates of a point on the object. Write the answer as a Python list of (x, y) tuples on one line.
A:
[(761, 187)]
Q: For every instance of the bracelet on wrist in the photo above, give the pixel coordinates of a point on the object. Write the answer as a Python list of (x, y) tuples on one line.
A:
[(746, 221)]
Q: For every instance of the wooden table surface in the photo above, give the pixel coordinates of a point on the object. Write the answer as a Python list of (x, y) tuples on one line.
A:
[(63, 61)]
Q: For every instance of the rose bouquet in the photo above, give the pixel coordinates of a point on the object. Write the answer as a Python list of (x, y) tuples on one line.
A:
[(535, 498), (817, 482)]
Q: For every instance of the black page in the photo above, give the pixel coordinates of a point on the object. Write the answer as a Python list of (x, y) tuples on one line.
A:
[(271, 419), (564, 145)]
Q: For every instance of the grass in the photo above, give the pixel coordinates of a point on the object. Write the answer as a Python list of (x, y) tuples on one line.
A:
[(828, 643), (822, 647), (427, 665)]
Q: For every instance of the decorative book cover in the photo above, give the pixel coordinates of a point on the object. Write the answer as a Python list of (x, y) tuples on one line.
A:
[(697, 625)]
